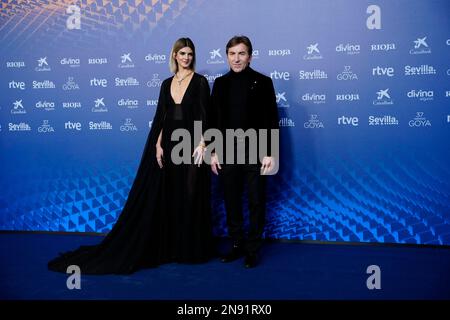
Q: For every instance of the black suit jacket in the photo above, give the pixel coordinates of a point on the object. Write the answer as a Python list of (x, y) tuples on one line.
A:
[(261, 109)]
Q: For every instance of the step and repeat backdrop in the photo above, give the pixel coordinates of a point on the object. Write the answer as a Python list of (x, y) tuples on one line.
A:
[(363, 90)]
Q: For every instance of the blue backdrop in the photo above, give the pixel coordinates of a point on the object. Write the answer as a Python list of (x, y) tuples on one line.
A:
[(362, 87)]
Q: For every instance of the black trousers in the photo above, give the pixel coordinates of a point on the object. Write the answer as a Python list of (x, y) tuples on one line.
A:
[(235, 176)]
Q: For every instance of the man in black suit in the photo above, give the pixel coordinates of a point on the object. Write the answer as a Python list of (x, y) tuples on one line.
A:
[(244, 100)]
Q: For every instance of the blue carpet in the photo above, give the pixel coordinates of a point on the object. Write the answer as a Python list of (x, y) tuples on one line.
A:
[(288, 271)]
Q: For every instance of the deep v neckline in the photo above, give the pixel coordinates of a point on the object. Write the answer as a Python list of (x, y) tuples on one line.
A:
[(185, 92)]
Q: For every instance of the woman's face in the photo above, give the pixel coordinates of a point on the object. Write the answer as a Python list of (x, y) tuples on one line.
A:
[(184, 57)]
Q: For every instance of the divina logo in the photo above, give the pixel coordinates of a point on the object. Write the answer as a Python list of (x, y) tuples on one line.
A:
[(48, 106), (128, 103), (350, 49), (71, 62), (422, 95), (155, 58), (314, 98)]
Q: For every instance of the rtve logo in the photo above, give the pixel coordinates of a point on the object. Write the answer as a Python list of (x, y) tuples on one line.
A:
[(280, 75), (72, 126), (382, 71)]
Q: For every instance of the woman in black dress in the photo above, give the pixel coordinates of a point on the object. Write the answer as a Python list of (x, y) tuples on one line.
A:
[(166, 217)]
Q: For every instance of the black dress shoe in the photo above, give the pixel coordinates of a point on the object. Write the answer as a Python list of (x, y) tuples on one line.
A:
[(235, 253), (251, 260)]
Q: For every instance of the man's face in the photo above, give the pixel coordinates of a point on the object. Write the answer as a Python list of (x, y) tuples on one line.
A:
[(238, 57)]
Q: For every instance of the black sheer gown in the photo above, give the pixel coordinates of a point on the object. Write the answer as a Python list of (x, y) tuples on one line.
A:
[(166, 217)]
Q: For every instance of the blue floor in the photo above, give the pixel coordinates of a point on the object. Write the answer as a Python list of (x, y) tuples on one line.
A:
[(288, 271)]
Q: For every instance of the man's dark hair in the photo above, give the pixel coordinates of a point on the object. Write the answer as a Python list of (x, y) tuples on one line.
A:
[(238, 40)]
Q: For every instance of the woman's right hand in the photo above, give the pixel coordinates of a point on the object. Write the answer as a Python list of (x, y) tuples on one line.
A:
[(159, 155)]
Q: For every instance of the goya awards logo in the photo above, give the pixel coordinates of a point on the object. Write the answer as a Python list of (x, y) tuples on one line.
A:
[(128, 126), (347, 74), (155, 81), (45, 127), (70, 85), (313, 122), (419, 121)]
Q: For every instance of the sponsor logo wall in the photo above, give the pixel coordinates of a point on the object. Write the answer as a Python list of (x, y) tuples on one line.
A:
[(361, 102)]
